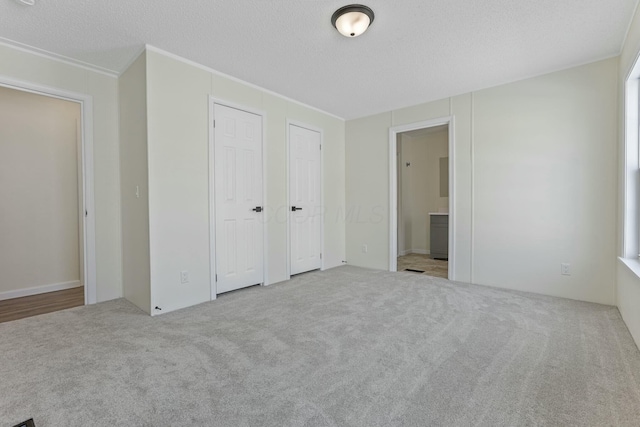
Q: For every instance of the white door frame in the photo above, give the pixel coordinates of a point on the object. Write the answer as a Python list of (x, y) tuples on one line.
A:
[(393, 189), (86, 212), (287, 207), (212, 210)]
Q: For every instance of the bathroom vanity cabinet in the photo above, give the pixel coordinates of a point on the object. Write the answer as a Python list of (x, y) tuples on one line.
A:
[(439, 232)]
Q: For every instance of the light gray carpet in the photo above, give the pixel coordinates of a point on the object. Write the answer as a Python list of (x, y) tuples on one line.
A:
[(345, 347)]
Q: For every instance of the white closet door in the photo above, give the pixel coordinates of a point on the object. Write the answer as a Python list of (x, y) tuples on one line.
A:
[(305, 208), (238, 199)]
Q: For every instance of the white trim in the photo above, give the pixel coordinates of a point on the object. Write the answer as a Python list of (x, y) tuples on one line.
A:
[(37, 290), (420, 251), (393, 188), (265, 205), (451, 257), (22, 47), (235, 79), (322, 205), (288, 200), (472, 157), (451, 265), (632, 264), (89, 203), (290, 122), (414, 251), (89, 222), (213, 283), (212, 223)]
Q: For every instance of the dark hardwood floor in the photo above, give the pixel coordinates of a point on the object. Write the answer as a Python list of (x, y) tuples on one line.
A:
[(19, 308)]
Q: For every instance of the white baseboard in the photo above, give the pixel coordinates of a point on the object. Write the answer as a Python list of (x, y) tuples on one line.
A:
[(39, 290), (415, 251)]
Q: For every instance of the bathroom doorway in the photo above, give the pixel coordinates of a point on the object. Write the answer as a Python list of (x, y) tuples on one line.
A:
[(422, 200)]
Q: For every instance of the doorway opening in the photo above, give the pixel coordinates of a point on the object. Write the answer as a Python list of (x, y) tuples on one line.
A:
[(47, 222), (421, 193)]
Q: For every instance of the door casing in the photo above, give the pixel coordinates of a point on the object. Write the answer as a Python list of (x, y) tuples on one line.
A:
[(393, 188)]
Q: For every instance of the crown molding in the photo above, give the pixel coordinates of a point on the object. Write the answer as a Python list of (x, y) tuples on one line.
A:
[(56, 57)]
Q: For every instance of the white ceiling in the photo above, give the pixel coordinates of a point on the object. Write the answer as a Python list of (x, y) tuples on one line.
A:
[(415, 51)]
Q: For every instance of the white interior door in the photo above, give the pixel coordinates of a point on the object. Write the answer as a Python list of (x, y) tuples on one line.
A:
[(238, 199), (305, 207)]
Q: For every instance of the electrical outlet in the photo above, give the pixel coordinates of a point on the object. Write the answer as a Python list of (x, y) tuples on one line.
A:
[(565, 269), (184, 277), (365, 249)]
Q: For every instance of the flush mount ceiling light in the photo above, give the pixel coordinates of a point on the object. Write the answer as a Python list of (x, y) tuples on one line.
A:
[(352, 20)]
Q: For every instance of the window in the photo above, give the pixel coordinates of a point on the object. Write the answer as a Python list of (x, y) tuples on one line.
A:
[(631, 211)]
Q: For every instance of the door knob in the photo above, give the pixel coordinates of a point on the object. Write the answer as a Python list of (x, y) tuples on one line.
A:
[(293, 209), (257, 209)]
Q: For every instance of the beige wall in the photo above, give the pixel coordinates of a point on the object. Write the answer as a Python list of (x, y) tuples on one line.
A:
[(526, 195), (178, 138), (134, 184), (35, 69), (628, 282), (39, 214), (421, 186)]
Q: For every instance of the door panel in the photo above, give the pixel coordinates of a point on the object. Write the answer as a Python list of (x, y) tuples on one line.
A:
[(238, 191), (304, 197)]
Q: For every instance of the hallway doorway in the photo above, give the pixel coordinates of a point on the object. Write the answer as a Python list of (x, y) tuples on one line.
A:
[(46, 224), (421, 206)]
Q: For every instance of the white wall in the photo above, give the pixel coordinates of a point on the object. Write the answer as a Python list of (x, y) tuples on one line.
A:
[(535, 173), (367, 191), (178, 111), (36, 69), (134, 184), (39, 214), (628, 282)]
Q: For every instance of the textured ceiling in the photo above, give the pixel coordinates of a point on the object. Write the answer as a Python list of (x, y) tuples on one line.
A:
[(415, 51)]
